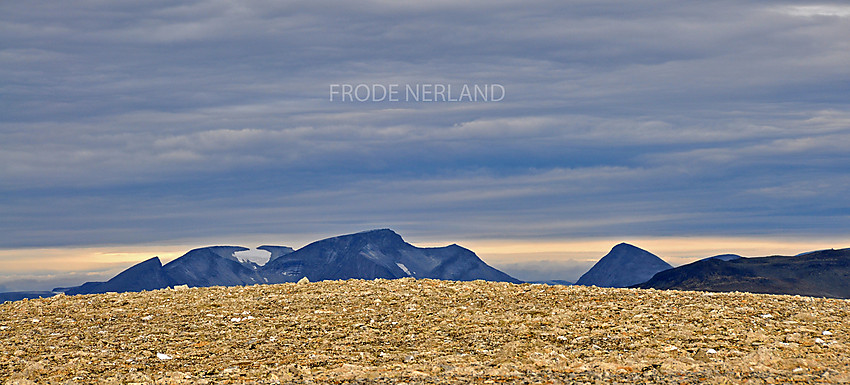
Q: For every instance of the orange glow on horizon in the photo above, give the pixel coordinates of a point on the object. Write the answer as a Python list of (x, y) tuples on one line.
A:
[(676, 251), (500, 251), (58, 260)]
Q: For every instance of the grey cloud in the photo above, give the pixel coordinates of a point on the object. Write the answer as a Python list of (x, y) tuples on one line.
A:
[(143, 121)]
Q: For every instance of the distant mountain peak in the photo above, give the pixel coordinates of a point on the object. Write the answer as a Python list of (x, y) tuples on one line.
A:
[(380, 253), (150, 261), (625, 245), (623, 266), (385, 234), (375, 231), (211, 252)]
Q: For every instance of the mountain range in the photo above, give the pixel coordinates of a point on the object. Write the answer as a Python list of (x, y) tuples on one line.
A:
[(366, 255), (823, 273), (379, 254), (384, 254)]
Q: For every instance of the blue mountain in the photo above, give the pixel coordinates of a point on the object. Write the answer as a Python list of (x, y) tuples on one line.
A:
[(623, 266), (379, 254), (823, 273), (367, 255)]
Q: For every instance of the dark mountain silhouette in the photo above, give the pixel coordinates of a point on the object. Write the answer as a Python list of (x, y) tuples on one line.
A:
[(824, 273), (379, 254), (366, 255), (623, 266)]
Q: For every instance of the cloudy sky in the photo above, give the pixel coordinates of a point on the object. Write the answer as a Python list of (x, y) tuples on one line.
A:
[(138, 128)]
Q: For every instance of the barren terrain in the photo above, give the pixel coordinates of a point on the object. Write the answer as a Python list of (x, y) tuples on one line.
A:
[(423, 331)]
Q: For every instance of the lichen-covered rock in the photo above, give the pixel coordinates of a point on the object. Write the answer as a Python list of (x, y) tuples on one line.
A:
[(423, 331)]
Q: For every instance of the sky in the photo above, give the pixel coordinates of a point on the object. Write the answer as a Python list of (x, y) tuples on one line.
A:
[(139, 128)]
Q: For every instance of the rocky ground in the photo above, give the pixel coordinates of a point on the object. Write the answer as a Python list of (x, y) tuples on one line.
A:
[(425, 331)]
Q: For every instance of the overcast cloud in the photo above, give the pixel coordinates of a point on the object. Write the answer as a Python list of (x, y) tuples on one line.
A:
[(149, 121)]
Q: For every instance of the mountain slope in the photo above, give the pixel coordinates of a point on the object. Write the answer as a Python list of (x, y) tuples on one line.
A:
[(824, 273), (145, 275), (212, 266), (379, 254), (623, 266)]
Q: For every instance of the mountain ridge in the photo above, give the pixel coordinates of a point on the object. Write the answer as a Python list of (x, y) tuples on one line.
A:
[(822, 273), (380, 253)]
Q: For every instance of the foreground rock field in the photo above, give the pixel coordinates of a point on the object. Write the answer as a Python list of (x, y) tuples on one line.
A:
[(423, 331)]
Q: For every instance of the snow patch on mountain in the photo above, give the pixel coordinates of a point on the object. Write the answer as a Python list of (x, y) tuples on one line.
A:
[(404, 268), (370, 252), (260, 257)]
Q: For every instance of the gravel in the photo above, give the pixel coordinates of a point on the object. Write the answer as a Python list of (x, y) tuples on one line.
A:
[(423, 332)]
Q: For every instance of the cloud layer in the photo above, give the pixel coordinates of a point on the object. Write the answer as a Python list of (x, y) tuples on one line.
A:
[(143, 122)]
